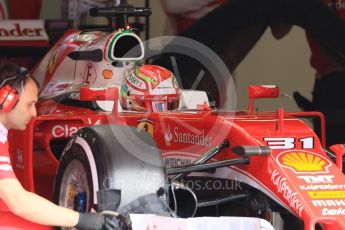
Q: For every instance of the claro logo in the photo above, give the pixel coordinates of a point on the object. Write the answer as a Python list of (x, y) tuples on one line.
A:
[(22, 30), (64, 130)]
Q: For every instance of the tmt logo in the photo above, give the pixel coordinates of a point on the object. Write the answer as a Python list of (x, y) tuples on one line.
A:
[(319, 179)]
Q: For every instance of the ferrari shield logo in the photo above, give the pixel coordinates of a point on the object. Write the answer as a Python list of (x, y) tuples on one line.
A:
[(52, 61), (146, 125)]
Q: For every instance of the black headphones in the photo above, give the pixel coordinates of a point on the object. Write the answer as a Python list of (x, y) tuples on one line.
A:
[(9, 95)]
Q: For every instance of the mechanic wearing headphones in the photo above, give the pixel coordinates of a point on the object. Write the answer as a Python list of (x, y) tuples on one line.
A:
[(18, 96)]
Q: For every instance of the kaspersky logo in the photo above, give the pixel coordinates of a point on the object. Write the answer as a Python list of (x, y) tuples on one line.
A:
[(303, 162)]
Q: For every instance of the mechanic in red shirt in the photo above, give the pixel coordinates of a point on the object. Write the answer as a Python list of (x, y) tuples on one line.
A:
[(20, 9), (183, 13), (320, 60), (234, 27), (222, 27), (328, 86), (19, 208)]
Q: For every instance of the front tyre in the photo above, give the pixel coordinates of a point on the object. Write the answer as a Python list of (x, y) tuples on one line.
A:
[(108, 157), (73, 186)]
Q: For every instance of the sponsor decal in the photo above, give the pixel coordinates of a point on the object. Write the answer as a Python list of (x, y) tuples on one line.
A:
[(91, 122), (23, 30), (303, 162), (317, 179), (188, 137), (327, 203), (333, 211), (285, 190), (319, 182), (154, 75), (146, 125), (74, 96), (177, 162), (338, 194), (52, 61), (90, 74), (315, 187), (136, 82), (64, 130), (20, 161)]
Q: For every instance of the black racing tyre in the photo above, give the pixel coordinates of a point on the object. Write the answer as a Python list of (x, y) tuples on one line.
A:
[(108, 157)]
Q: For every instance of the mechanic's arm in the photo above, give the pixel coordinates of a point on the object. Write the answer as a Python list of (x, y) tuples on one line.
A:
[(279, 29), (33, 207)]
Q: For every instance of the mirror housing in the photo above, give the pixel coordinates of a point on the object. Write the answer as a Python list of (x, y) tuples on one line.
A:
[(261, 91), (95, 94), (100, 94)]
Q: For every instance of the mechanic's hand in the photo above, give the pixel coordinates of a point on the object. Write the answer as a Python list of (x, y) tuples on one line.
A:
[(118, 222), (279, 29), (303, 103), (98, 221), (90, 221)]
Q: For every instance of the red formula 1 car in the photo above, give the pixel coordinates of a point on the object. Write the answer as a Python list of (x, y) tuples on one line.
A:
[(250, 164)]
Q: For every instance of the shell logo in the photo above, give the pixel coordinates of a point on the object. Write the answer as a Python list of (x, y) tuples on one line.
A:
[(304, 162)]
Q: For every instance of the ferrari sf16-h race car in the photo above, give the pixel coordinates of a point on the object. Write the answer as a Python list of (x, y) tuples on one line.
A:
[(269, 165)]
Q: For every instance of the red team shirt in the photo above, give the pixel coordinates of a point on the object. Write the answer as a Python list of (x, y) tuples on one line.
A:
[(319, 60), (8, 220), (20, 9), (6, 170), (184, 21)]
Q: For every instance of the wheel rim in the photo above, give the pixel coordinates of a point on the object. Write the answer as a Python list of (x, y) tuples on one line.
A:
[(75, 189)]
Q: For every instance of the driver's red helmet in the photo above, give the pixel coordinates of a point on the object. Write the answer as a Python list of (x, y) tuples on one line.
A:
[(150, 88)]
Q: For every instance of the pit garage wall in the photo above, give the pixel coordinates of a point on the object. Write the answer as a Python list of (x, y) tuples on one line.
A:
[(283, 62)]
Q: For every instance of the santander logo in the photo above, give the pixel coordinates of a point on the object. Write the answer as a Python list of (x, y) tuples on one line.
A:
[(177, 135), (22, 30)]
